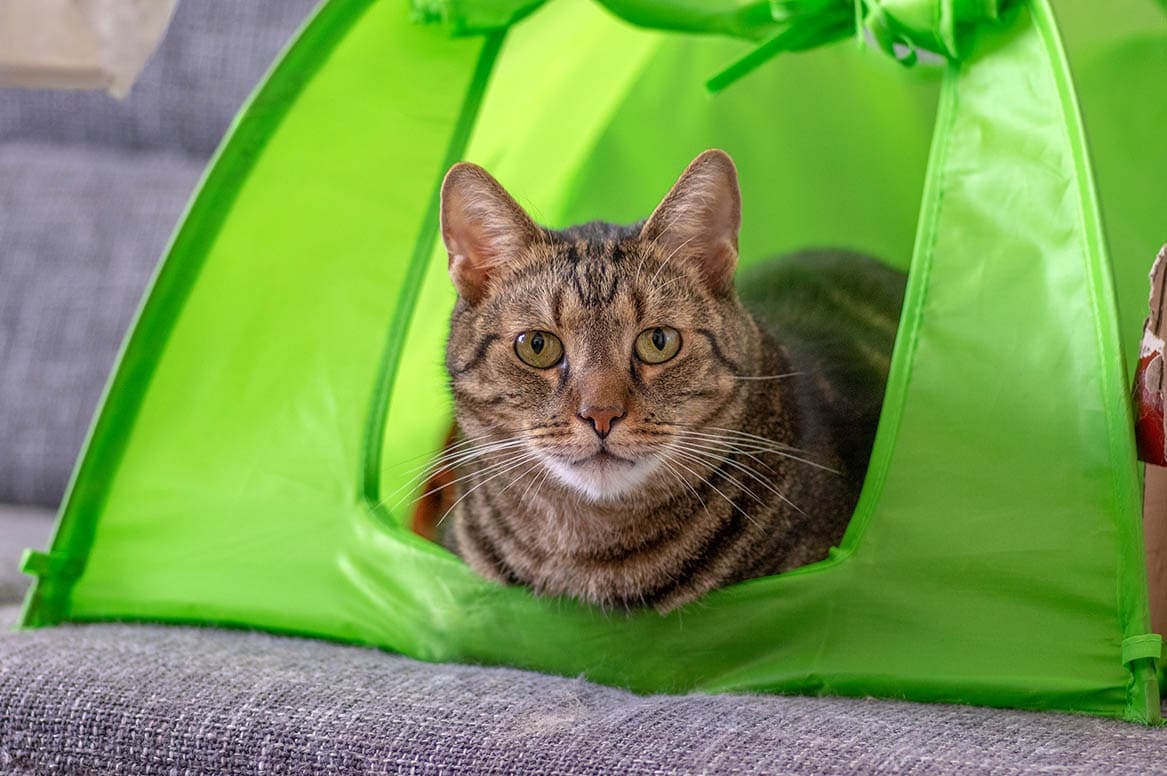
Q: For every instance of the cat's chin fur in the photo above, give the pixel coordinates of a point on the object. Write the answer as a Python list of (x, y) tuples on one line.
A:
[(602, 481)]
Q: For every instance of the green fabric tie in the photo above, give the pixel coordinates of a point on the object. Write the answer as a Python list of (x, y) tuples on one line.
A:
[(472, 17), (900, 28)]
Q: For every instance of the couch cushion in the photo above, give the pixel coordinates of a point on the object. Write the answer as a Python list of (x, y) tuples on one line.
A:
[(211, 58), (20, 528), (153, 699), (80, 232)]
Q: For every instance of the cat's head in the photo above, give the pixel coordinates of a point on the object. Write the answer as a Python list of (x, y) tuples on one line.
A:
[(593, 352)]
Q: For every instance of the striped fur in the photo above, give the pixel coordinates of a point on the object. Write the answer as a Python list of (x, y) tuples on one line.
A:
[(803, 371)]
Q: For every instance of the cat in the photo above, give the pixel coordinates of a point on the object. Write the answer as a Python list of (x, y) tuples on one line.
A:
[(634, 430)]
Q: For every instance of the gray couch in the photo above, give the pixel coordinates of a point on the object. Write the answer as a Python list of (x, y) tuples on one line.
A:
[(89, 190)]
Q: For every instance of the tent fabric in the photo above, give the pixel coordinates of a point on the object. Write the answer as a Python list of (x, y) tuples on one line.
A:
[(252, 460)]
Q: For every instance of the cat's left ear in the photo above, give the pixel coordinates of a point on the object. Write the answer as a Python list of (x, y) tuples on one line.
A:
[(698, 220), (483, 228)]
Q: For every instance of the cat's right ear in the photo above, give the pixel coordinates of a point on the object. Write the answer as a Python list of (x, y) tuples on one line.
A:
[(483, 228), (698, 220)]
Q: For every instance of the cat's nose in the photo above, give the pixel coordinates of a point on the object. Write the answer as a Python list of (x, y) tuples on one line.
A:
[(602, 418)]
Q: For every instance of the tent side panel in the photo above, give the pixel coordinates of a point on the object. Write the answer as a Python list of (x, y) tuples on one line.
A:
[(1143, 702), (1018, 330), (241, 428), (101, 452)]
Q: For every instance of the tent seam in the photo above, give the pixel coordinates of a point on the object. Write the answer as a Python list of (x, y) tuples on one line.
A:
[(160, 307), (398, 328), (1087, 200), (921, 266)]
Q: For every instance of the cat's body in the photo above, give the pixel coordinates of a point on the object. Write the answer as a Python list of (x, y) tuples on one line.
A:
[(633, 436)]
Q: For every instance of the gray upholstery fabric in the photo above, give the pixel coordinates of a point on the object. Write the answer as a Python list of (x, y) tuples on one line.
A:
[(20, 528), (91, 189), (211, 58), (160, 700), (80, 231)]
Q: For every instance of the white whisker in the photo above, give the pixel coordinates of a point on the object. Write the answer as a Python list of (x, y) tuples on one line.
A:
[(522, 474), (540, 479), (698, 460), (477, 472), (448, 460), (669, 258), (521, 461), (768, 377), (725, 447), (666, 461), (748, 472), (716, 490), (748, 443)]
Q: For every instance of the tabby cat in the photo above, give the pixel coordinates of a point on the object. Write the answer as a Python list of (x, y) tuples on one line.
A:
[(633, 431)]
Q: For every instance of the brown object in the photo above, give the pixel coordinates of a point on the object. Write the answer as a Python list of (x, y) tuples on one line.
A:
[(1150, 431), (1151, 434), (437, 497)]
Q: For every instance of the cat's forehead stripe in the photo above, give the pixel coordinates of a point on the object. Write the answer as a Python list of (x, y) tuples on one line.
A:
[(591, 266), (557, 308), (638, 303), (597, 281)]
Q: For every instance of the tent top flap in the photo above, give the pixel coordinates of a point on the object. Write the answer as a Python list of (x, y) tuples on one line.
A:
[(253, 459)]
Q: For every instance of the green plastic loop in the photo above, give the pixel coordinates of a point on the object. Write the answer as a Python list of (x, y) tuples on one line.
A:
[(1147, 645), (471, 17)]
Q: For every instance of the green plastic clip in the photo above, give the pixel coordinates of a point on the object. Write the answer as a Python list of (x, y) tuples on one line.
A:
[(56, 565)]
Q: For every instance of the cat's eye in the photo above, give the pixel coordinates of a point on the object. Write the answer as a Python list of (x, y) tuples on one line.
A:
[(658, 344), (540, 349)]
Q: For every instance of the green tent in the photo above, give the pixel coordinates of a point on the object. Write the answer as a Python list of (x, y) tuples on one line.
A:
[(283, 380)]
